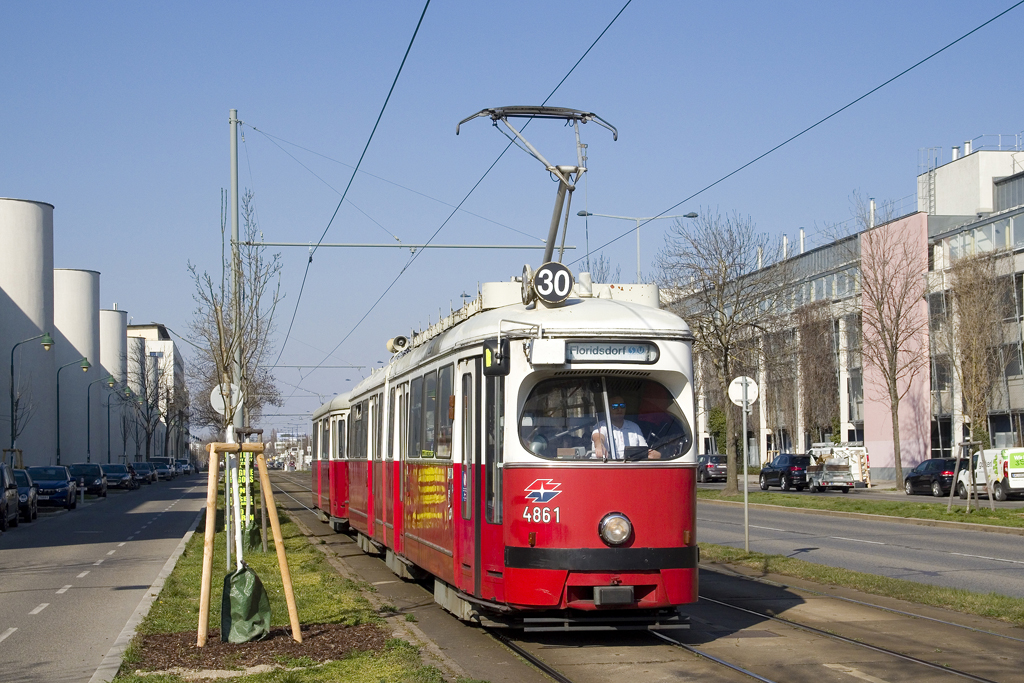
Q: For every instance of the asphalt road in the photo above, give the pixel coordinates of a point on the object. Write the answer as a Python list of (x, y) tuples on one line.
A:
[(71, 580), (974, 560), (885, 492)]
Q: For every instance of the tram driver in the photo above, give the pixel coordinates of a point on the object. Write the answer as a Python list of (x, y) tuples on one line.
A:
[(625, 433)]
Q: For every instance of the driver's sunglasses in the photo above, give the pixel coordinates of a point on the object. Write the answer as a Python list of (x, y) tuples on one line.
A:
[(618, 405)]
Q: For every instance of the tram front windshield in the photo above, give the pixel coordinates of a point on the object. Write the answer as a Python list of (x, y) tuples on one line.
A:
[(567, 419)]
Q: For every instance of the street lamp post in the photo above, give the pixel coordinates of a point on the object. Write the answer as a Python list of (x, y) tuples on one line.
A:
[(85, 365), (109, 379), (47, 342), (637, 219), (109, 396)]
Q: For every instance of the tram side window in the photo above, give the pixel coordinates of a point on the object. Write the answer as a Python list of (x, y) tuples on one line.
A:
[(391, 425), (339, 440), (325, 441), (415, 417), (493, 452), (445, 410), (378, 404), (429, 415), (357, 431), (566, 419), (316, 438)]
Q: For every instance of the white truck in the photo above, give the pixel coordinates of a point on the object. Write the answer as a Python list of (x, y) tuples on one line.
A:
[(1006, 467)]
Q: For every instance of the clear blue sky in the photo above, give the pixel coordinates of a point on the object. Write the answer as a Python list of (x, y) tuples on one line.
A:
[(116, 113)]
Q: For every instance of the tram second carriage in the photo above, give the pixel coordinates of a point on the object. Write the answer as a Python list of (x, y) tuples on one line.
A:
[(329, 468), (489, 465)]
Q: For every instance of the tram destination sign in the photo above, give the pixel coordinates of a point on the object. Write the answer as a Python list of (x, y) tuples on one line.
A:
[(610, 352)]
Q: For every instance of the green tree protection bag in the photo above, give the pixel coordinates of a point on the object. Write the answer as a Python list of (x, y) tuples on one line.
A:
[(244, 607)]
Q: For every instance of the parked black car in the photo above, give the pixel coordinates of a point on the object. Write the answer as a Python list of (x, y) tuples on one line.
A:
[(711, 468), (787, 471), (146, 471), (56, 486), (119, 477), (92, 476), (28, 495), (934, 475), (9, 511)]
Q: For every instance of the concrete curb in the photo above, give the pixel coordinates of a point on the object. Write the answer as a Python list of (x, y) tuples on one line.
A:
[(963, 526), (111, 663)]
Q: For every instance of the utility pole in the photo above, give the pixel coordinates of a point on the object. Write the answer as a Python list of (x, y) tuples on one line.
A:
[(236, 276)]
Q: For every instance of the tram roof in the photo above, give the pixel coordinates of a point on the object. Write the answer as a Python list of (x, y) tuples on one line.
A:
[(338, 403), (596, 318)]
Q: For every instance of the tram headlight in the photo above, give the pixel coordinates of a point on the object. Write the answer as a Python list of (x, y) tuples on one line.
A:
[(615, 528)]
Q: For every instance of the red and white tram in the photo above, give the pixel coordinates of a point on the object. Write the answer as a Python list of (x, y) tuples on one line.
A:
[(480, 455), (329, 466), (533, 452)]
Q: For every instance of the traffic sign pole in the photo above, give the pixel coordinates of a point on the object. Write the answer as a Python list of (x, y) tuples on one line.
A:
[(740, 393)]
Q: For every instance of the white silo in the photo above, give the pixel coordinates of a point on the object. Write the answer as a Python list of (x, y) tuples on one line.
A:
[(114, 359), (76, 315), (26, 311)]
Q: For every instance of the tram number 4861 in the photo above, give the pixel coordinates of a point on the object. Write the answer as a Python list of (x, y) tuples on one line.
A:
[(541, 515)]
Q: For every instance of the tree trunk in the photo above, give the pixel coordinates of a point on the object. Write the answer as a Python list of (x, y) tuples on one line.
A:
[(732, 469), (894, 403)]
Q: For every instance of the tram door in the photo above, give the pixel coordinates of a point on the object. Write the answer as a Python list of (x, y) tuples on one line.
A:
[(467, 456), (378, 483)]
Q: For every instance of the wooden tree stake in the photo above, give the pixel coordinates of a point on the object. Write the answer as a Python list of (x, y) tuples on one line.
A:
[(282, 561)]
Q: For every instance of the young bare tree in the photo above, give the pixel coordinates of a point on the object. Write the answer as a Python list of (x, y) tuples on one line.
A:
[(818, 368), (779, 365), (980, 294), (212, 329), (712, 265), (601, 270), (892, 270), (146, 379), (23, 409)]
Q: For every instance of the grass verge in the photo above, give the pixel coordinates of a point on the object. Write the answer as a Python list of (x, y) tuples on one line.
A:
[(896, 508), (989, 605), (322, 596)]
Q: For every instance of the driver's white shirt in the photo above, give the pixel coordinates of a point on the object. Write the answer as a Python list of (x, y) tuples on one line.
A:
[(627, 435)]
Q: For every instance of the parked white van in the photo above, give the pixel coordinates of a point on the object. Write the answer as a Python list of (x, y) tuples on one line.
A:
[(1007, 469)]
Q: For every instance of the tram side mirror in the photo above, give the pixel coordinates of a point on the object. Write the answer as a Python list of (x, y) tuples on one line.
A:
[(496, 357)]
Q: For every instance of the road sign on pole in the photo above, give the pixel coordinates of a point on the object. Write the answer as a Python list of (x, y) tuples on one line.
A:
[(743, 392), (219, 393)]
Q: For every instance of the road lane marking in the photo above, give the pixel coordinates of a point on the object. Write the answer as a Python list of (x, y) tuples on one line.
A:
[(39, 609), (120, 544), (984, 557), (857, 540), (64, 589), (82, 575), (131, 537), (111, 552), (6, 634), (769, 528), (97, 563), (856, 674)]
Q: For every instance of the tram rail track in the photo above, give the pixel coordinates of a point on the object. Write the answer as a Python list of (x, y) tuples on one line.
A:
[(864, 603), (851, 641)]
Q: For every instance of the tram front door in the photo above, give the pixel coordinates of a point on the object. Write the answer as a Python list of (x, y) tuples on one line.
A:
[(467, 508)]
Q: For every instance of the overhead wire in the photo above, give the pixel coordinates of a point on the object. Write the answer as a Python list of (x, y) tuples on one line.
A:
[(473, 189), (382, 179), (387, 99), (808, 128)]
